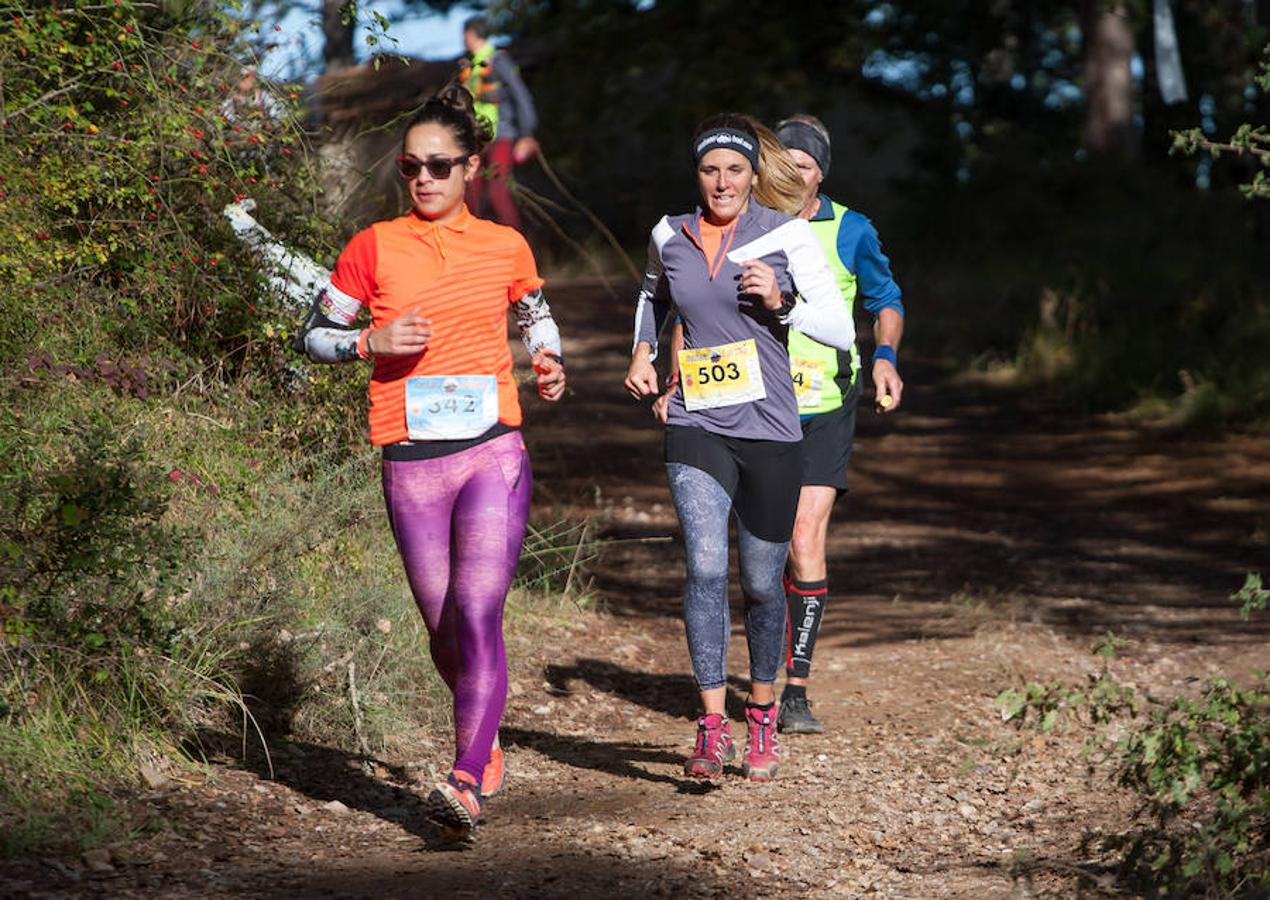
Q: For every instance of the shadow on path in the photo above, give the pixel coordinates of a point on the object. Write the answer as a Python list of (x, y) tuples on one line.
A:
[(324, 774), (617, 758), (674, 694)]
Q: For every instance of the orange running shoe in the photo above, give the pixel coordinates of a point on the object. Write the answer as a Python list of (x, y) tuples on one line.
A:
[(455, 805), (495, 773)]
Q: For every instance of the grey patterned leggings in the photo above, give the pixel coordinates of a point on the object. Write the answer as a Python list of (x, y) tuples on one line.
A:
[(704, 508)]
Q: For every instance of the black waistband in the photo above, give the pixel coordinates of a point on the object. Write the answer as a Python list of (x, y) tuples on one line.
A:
[(408, 450)]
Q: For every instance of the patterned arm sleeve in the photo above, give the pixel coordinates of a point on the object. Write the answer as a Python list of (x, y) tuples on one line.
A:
[(326, 335), (538, 329)]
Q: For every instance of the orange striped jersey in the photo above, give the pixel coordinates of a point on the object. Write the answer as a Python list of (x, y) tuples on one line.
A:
[(462, 275)]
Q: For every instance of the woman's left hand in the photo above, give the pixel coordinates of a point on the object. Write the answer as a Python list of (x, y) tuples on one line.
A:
[(550, 377), (758, 279)]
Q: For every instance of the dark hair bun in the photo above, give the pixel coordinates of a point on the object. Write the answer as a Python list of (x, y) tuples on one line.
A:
[(453, 107)]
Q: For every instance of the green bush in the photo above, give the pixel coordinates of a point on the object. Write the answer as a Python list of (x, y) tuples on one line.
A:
[(1201, 767), (146, 385)]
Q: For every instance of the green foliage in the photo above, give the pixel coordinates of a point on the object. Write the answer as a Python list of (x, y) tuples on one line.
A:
[(1044, 706), (1208, 757), (1248, 140), (1252, 595), (1109, 645), (128, 127), (1200, 765), (133, 320), (89, 562)]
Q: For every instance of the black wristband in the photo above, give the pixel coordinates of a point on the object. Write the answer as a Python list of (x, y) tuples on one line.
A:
[(788, 301)]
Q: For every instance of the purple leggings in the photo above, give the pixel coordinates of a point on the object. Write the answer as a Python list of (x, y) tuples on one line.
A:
[(459, 521)]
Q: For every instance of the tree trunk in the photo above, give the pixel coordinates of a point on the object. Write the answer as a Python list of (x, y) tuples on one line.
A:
[(337, 37), (1108, 49)]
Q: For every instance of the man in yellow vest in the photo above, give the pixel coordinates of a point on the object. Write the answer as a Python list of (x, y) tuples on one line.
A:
[(503, 100), (827, 384)]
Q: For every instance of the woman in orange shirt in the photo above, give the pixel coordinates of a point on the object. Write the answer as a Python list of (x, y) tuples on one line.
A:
[(443, 406)]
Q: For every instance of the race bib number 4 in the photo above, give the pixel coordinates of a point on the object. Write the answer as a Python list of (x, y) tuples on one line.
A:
[(809, 378), (450, 407), (720, 376)]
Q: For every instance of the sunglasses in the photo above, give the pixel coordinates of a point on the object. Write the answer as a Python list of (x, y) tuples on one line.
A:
[(438, 167)]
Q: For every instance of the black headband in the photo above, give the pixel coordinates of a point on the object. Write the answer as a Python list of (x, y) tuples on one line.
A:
[(728, 139), (811, 140)]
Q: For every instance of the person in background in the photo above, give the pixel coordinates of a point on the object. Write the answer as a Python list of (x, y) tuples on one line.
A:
[(827, 383), (505, 103)]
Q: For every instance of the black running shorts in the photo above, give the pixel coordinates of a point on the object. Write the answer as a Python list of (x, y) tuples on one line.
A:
[(761, 477), (827, 442)]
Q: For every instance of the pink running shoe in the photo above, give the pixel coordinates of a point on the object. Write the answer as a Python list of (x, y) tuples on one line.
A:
[(762, 747), (714, 748)]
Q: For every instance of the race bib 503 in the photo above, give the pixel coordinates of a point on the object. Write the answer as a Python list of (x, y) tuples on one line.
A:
[(720, 376)]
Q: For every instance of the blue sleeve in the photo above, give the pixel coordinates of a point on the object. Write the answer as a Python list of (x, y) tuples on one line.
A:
[(861, 252)]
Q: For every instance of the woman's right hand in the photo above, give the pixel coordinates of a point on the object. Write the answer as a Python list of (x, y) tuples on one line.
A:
[(641, 377), (404, 335)]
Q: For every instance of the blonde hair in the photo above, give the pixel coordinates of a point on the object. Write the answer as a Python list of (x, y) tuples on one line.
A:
[(780, 184)]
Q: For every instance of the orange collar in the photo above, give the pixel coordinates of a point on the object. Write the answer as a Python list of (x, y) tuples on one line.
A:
[(458, 223), (425, 228)]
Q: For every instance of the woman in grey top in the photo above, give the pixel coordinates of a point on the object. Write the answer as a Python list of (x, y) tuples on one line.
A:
[(738, 274)]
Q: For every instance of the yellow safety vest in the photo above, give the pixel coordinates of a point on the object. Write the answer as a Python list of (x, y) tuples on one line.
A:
[(477, 75), (839, 369)]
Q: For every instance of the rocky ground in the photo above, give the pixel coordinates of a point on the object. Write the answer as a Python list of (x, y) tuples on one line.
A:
[(987, 539)]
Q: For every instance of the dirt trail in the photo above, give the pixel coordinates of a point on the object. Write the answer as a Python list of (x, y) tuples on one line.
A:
[(985, 539)]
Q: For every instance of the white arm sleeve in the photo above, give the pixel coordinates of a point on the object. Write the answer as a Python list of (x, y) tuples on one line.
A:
[(823, 316), (652, 306)]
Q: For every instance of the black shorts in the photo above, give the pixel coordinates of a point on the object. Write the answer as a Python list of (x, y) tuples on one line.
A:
[(761, 477), (827, 443)]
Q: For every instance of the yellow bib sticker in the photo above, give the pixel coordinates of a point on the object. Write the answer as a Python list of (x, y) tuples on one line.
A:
[(720, 376), (809, 377)]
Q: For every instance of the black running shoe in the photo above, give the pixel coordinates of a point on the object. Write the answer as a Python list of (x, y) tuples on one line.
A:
[(795, 717)]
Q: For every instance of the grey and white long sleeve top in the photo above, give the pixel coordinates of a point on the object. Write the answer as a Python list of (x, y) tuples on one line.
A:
[(704, 294)]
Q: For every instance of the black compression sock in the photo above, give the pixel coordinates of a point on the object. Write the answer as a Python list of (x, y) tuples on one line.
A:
[(806, 603), (763, 706)]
